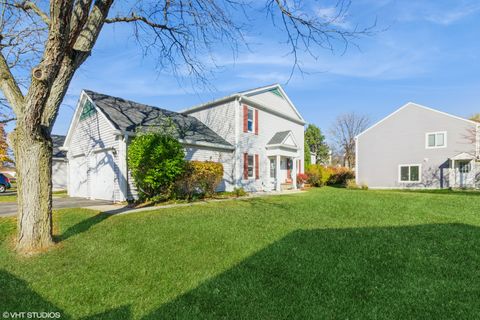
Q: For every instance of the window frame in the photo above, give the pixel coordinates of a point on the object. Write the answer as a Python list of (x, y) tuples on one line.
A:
[(428, 134), (252, 111), (252, 164), (409, 166)]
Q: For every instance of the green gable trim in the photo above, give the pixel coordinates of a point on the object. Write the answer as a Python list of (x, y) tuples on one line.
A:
[(88, 110), (277, 92)]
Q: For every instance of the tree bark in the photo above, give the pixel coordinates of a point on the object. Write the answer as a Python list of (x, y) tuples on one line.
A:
[(33, 151)]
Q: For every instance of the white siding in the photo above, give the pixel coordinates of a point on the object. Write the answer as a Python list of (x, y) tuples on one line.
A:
[(275, 102), (93, 133), (227, 121), (219, 118), (59, 174), (250, 143)]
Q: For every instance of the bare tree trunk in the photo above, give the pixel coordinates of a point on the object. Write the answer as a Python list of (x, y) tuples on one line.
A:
[(33, 155)]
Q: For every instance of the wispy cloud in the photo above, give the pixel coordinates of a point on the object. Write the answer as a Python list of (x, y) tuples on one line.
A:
[(437, 12), (334, 16)]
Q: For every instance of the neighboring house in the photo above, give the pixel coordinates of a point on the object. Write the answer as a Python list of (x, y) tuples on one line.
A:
[(59, 164), (418, 147), (267, 132), (249, 133)]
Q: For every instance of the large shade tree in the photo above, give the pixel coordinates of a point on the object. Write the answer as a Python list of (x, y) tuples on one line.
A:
[(52, 39)]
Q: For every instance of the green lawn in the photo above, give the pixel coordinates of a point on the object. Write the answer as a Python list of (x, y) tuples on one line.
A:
[(328, 253)]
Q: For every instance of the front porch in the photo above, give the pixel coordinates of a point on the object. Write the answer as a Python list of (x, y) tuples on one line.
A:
[(283, 158), (463, 171)]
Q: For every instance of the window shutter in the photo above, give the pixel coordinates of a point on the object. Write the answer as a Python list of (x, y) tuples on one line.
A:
[(245, 118), (256, 122), (245, 166), (257, 171)]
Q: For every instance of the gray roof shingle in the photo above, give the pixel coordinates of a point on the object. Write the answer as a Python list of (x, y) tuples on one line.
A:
[(278, 137), (57, 142), (131, 116)]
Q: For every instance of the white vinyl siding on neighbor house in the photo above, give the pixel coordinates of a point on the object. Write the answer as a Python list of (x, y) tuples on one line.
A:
[(410, 173), (92, 134), (436, 140)]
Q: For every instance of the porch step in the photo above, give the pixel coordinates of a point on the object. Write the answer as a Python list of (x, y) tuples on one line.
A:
[(286, 186)]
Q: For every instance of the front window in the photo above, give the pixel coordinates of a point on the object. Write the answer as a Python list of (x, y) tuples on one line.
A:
[(410, 173), (273, 168), (436, 140), (250, 120), (250, 166)]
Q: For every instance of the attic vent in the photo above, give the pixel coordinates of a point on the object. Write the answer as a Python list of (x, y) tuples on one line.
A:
[(277, 92), (88, 110)]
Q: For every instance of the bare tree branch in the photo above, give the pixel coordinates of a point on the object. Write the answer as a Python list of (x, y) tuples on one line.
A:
[(9, 86), (29, 5)]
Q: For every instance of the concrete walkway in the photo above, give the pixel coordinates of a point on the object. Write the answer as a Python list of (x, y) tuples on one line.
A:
[(120, 210), (9, 209)]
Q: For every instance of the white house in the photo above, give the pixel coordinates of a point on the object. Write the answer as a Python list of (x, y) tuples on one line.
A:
[(419, 147), (59, 164), (257, 135), (267, 132)]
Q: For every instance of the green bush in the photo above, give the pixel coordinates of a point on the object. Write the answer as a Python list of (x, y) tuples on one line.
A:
[(340, 176), (200, 178), (318, 175), (155, 161)]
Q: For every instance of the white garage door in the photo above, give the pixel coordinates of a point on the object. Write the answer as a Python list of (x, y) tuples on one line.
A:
[(78, 181), (102, 176)]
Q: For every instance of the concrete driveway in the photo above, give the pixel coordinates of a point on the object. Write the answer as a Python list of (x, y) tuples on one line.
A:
[(10, 208)]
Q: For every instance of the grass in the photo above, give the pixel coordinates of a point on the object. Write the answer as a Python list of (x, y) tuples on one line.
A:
[(327, 253)]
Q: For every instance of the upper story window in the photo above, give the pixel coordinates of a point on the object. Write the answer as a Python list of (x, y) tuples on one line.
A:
[(88, 110), (250, 120), (436, 140)]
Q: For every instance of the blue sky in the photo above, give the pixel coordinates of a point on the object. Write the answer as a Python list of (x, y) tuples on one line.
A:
[(425, 51)]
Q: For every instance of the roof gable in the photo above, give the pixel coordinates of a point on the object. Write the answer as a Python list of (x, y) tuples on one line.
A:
[(275, 98), (411, 105), (284, 138)]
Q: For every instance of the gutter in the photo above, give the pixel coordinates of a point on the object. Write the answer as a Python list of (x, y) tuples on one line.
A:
[(184, 142)]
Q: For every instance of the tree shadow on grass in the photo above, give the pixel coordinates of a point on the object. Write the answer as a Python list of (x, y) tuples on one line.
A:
[(428, 271), (421, 272), (16, 296), (82, 226)]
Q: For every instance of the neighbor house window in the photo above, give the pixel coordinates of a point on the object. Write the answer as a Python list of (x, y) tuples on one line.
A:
[(250, 120), (436, 140), (250, 165), (410, 173)]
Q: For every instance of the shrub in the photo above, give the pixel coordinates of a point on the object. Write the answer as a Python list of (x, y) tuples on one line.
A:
[(302, 178), (340, 175), (318, 175), (155, 161), (239, 192), (200, 178), (351, 184)]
